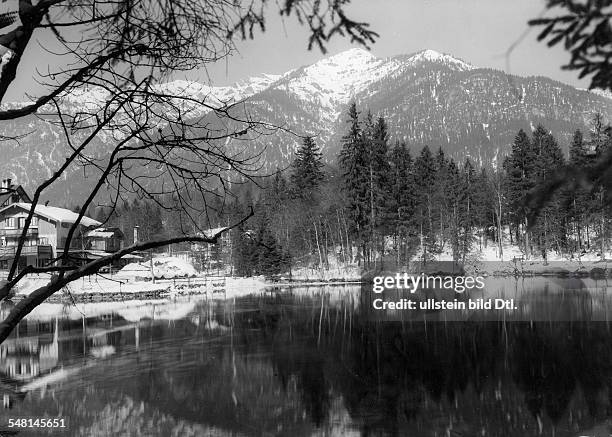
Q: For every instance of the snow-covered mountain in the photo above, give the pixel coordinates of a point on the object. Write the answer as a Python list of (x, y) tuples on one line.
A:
[(427, 98), (95, 97), (332, 82)]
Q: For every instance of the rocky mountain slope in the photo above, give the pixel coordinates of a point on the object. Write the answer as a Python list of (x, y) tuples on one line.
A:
[(427, 98)]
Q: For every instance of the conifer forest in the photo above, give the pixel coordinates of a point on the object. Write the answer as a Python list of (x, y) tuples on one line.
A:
[(387, 202)]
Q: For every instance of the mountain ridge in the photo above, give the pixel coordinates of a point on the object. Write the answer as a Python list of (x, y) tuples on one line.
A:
[(427, 97)]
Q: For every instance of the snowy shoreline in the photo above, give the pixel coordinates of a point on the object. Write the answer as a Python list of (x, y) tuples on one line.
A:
[(175, 278), (111, 289)]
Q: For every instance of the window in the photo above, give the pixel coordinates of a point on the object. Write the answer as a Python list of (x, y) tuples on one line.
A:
[(10, 222), (34, 222), (66, 225), (21, 222)]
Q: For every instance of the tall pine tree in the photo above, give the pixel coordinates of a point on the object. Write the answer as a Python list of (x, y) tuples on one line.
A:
[(307, 169), (353, 160), (519, 167), (401, 202), (425, 179)]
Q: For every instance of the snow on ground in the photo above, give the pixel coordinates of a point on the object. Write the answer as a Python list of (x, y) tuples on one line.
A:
[(130, 279), (180, 277), (485, 257), (336, 273), (166, 267), (91, 285), (240, 286), (513, 261)]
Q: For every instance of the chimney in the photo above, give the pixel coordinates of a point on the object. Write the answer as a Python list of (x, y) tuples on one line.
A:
[(8, 183), (3, 183)]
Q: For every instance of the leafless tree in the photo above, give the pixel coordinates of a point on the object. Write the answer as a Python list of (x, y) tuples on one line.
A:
[(124, 51)]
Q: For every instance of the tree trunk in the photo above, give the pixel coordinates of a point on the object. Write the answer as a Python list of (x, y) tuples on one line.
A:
[(318, 246), (500, 231), (602, 226), (372, 214)]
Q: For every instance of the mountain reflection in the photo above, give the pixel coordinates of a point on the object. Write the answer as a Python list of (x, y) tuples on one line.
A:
[(306, 362)]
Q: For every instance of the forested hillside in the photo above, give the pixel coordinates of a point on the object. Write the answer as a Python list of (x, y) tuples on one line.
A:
[(388, 200), (427, 98)]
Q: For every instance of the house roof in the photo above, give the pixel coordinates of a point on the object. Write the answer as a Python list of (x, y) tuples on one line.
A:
[(105, 233), (6, 195), (209, 233), (54, 213)]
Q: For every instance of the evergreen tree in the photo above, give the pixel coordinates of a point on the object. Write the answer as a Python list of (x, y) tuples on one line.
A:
[(307, 172), (467, 216), (600, 142), (452, 187), (402, 200), (576, 197), (425, 179), (256, 249), (278, 203), (577, 152), (306, 180), (484, 210), (550, 229), (378, 183), (269, 255), (444, 200), (519, 167), (599, 134), (353, 160)]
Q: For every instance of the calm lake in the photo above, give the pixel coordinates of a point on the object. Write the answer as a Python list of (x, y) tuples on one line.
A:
[(312, 361)]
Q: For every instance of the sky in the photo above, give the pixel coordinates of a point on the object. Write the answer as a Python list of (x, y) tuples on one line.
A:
[(478, 31)]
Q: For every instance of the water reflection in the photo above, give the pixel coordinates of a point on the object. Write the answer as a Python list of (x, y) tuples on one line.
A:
[(310, 362)]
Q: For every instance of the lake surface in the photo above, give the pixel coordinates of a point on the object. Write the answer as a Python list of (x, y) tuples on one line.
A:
[(312, 361)]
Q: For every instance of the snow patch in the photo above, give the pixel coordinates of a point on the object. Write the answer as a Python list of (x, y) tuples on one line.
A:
[(333, 81), (163, 268)]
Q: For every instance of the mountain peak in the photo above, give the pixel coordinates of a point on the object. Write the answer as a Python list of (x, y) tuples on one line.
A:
[(351, 54), (429, 55), (333, 81)]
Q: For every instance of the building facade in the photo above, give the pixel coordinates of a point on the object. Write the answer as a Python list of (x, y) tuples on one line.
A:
[(46, 236), (108, 240)]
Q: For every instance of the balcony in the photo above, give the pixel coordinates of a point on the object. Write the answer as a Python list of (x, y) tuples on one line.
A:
[(7, 252), (32, 232)]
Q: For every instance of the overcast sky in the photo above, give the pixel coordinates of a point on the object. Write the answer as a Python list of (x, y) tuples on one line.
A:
[(477, 31)]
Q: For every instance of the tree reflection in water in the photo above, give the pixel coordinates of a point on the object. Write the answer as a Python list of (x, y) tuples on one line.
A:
[(309, 362)]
